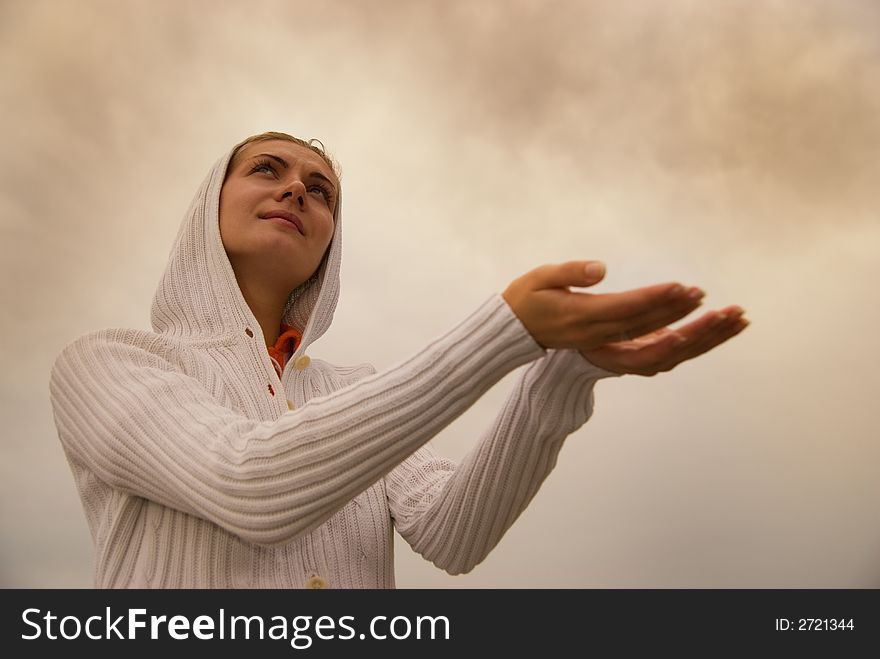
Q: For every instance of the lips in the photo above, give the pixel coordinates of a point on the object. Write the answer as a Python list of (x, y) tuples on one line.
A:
[(285, 215)]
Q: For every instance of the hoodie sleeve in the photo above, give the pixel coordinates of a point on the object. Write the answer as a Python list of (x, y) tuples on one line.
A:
[(144, 427), (455, 515)]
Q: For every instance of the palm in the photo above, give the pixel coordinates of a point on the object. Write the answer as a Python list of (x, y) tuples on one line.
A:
[(665, 348)]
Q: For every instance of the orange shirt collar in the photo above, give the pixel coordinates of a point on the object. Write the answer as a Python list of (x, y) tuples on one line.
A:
[(287, 343)]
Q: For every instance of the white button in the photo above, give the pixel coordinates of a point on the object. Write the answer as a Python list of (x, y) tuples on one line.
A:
[(290, 404), (302, 362), (315, 582)]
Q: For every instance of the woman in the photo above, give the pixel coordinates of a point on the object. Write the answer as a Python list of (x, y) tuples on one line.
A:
[(218, 451)]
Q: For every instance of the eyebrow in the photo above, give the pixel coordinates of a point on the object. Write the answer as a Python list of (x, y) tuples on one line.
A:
[(315, 174)]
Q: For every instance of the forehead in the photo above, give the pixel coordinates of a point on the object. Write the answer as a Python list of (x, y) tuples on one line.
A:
[(292, 152)]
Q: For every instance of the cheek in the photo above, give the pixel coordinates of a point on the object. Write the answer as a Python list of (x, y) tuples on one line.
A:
[(227, 217), (233, 226), (234, 210), (327, 230), (226, 212), (237, 199)]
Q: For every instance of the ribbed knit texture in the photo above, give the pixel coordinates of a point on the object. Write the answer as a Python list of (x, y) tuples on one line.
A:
[(194, 472)]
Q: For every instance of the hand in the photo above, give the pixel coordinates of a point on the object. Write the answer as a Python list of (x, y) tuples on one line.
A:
[(559, 318), (664, 349)]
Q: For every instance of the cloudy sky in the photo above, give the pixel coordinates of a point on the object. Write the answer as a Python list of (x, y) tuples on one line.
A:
[(730, 145)]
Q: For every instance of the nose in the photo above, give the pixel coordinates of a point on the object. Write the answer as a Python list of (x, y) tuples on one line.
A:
[(297, 190)]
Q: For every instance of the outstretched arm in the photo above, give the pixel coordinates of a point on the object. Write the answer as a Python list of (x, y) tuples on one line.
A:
[(455, 516)]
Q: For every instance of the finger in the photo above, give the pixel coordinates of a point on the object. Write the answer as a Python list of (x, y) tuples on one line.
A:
[(671, 349), (611, 307), (664, 349), (653, 337), (712, 338), (709, 339), (697, 329), (639, 357), (572, 273), (650, 321), (644, 340), (646, 354)]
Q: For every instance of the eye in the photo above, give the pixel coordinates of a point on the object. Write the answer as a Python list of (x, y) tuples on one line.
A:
[(263, 165), (266, 165), (323, 190)]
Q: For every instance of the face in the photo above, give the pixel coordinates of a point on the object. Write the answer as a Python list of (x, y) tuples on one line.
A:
[(284, 179)]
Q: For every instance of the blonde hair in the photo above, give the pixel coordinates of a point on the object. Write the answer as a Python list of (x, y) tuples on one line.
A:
[(275, 135)]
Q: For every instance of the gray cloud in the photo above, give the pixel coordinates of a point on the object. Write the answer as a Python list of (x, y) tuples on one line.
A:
[(730, 144)]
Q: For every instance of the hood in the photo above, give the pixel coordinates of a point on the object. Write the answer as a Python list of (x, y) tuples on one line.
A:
[(198, 297)]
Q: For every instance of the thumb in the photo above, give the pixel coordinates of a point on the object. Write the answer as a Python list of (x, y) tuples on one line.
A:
[(571, 273)]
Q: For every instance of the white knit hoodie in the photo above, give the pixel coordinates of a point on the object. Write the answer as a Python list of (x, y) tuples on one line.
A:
[(199, 468)]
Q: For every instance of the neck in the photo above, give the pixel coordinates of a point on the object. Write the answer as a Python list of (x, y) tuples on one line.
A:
[(267, 307)]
